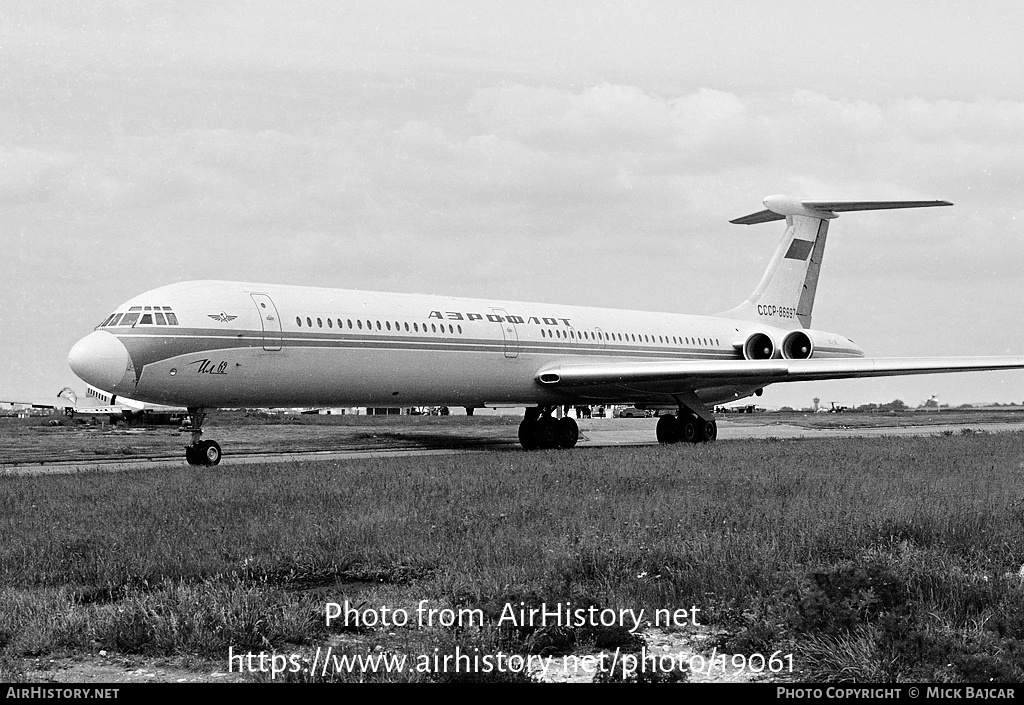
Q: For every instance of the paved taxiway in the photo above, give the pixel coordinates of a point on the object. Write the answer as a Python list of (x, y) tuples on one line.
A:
[(596, 433)]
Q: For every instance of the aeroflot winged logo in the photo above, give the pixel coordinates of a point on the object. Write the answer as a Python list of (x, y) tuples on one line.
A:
[(222, 317)]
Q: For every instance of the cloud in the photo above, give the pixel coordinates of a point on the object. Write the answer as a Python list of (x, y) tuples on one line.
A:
[(30, 175), (537, 152)]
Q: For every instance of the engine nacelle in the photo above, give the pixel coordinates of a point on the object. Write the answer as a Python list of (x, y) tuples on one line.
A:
[(759, 346), (797, 345)]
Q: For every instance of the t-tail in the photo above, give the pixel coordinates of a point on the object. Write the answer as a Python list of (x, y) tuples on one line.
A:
[(785, 296)]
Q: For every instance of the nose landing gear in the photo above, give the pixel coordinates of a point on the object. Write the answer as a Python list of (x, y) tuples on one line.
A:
[(200, 452)]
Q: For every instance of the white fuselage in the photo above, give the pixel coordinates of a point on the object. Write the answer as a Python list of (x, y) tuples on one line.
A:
[(236, 344)]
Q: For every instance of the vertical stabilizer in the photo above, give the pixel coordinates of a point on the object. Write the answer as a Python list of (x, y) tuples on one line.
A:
[(785, 296)]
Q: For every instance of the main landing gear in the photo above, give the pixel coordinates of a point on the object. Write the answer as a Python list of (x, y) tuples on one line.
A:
[(688, 427), (540, 430), (200, 452)]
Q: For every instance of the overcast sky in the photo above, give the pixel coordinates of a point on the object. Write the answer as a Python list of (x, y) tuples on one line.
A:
[(573, 152)]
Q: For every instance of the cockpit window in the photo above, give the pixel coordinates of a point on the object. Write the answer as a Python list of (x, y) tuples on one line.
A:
[(137, 315)]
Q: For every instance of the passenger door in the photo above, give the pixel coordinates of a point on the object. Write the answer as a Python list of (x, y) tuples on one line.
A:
[(270, 320)]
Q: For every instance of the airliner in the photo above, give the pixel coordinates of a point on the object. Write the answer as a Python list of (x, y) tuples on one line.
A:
[(209, 344), (118, 408), (110, 406)]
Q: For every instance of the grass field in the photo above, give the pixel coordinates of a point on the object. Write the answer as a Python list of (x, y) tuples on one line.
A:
[(878, 559)]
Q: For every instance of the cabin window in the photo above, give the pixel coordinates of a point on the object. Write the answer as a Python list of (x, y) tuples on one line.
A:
[(388, 324), (309, 322), (159, 318), (416, 327), (542, 334), (378, 325), (319, 323), (406, 327), (360, 324), (350, 323), (298, 322), (460, 329), (451, 329), (330, 323)]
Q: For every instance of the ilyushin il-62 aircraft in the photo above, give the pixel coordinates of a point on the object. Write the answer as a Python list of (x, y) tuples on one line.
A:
[(210, 344)]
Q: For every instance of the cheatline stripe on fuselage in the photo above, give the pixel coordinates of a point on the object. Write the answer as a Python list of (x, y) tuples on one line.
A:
[(184, 341)]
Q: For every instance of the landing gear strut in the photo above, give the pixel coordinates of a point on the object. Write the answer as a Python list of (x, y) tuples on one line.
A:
[(688, 427), (200, 452), (540, 430)]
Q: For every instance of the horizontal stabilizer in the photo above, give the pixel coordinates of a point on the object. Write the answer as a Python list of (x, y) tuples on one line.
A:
[(765, 216), (778, 207)]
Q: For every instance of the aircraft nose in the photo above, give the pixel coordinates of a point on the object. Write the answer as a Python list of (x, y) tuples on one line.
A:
[(99, 359)]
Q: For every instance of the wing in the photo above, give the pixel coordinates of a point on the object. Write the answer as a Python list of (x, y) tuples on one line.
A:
[(680, 377), (34, 404)]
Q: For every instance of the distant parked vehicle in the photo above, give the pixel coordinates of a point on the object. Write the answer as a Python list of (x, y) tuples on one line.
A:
[(632, 413)]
